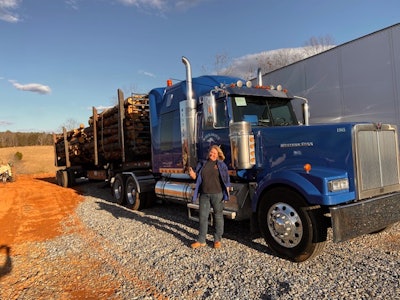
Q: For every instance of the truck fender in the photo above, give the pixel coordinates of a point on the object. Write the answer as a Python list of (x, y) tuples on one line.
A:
[(291, 179), (144, 180)]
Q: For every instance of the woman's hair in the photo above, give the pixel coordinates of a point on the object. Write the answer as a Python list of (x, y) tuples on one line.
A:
[(221, 155)]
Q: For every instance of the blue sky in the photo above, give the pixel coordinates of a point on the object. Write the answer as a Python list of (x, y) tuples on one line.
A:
[(58, 58)]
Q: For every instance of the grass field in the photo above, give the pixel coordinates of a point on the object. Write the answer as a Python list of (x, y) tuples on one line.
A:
[(35, 159)]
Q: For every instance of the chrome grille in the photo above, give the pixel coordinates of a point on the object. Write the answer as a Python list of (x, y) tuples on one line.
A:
[(377, 160)]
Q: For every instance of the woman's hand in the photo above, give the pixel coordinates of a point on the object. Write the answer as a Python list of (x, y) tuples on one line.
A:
[(192, 173)]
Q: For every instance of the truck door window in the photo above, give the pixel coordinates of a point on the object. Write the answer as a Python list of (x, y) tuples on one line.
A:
[(222, 116), (167, 131)]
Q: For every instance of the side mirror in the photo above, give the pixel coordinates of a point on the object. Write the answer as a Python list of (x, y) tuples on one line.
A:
[(306, 110)]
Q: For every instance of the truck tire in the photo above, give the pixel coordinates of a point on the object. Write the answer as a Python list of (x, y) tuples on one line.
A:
[(291, 231), (71, 178), (133, 197), (118, 189), (58, 180), (62, 178), (150, 199)]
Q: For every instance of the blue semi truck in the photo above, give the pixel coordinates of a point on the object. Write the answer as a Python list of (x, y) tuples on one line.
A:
[(291, 179)]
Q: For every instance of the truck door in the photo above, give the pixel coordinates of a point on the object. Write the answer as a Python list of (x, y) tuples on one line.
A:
[(214, 131)]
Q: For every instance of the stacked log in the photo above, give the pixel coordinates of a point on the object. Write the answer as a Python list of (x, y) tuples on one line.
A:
[(134, 143), (77, 139)]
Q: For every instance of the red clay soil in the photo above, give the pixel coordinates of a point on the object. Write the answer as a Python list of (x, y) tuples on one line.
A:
[(32, 210)]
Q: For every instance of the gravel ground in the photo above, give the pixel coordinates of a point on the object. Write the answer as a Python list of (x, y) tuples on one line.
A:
[(146, 255)]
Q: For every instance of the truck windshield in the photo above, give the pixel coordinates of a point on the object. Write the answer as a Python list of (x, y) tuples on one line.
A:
[(263, 111)]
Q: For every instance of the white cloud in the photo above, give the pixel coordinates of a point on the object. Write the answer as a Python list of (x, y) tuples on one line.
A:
[(184, 4), (102, 107), (157, 4), (73, 4), (162, 5), (5, 123), (147, 74), (6, 8), (32, 87)]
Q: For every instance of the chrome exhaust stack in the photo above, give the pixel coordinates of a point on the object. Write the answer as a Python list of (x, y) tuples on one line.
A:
[(188, 115), (189, 90), (259, 77)]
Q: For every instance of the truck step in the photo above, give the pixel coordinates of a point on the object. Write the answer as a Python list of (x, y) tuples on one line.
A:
[(193, 213)]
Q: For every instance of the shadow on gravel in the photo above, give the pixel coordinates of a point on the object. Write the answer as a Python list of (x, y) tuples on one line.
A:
[(5, 260), (176, 220), (238, 231), (152, 218)]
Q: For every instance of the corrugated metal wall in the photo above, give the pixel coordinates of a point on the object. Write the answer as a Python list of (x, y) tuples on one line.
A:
[(356, 81)]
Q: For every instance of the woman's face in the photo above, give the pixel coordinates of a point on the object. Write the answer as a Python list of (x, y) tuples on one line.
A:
[(213, 154)]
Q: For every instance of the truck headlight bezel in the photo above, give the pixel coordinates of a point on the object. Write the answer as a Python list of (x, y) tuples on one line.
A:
[(337, 185)]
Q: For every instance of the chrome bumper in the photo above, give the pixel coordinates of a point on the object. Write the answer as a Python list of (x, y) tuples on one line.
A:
[(355, 219)]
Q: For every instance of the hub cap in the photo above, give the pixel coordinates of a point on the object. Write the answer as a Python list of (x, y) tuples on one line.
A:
[(285, 225), (131, 194)]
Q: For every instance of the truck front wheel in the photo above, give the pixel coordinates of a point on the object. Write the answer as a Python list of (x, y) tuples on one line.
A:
[(288, 227), (118, 190)]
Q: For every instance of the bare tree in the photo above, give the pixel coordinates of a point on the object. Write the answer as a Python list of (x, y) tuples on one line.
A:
[(317, 45), (269, 61), (222, 65), (69, 124)]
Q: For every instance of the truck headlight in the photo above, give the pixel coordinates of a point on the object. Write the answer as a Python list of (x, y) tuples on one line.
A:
[(338, 185)]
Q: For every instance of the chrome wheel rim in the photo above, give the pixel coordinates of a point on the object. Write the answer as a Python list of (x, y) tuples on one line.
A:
[(285, 225)]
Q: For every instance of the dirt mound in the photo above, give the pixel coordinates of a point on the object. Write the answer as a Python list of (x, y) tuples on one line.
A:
[(33, 209)]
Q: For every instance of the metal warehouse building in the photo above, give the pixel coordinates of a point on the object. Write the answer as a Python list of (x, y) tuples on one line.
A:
[(355, 81)]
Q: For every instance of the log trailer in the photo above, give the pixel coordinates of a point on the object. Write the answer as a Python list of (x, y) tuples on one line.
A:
[(291, 179)]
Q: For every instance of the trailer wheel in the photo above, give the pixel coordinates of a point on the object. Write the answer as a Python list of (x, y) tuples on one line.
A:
[(118, 190), (62, 178), (289, 230), (133, 197), (58, 177)]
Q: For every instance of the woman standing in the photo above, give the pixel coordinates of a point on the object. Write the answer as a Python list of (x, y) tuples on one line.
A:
[(212, 182)]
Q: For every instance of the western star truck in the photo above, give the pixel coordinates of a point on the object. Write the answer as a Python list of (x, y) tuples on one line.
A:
[(291, 179)]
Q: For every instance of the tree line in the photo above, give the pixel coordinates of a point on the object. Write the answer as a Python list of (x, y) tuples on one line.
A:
[(20, 139)]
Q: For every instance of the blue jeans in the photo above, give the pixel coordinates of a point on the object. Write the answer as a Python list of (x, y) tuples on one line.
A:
[(205, 202)]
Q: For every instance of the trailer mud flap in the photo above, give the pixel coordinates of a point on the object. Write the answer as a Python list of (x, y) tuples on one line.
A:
[(352, 220)]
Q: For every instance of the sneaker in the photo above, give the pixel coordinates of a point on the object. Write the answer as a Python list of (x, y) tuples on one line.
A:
[(217, 244), (197, 245)]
